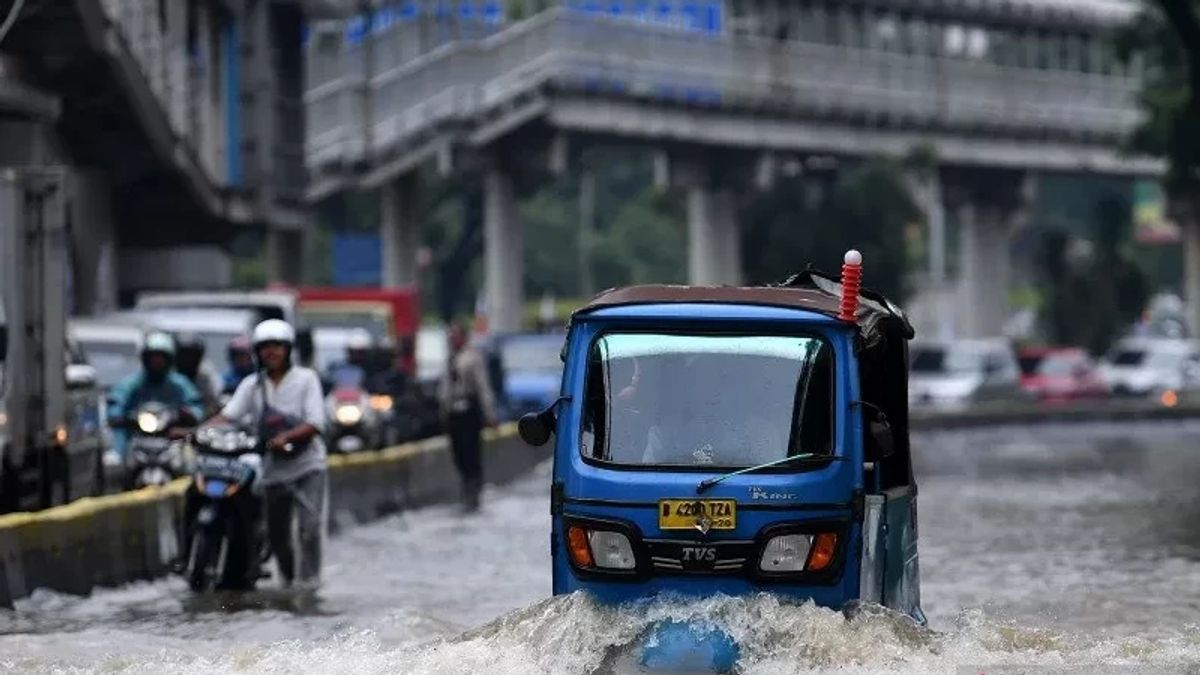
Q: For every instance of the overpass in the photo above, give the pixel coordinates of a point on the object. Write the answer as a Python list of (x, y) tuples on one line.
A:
[(999, 91), (182, 123)]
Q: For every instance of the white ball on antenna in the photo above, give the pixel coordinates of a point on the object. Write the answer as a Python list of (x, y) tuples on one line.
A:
[(853, 257)]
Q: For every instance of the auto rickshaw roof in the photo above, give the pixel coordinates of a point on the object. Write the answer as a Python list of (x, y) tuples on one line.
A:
[(810, 291)]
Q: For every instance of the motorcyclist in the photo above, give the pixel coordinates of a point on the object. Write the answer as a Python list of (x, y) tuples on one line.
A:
[(241, 364), (190, 361), (284, 403), (158, 381)]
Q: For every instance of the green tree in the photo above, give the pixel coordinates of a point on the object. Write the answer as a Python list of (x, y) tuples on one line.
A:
[(815, 219), (1167, 34)]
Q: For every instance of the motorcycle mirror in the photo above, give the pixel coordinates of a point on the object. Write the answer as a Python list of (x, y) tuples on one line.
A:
[(80, 376), (536, 428)]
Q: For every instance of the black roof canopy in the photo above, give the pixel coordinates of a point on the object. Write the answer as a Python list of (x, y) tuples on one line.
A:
[(809, 290)]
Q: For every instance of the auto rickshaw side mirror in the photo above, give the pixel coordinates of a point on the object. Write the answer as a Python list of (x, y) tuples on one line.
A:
[(883, 442), (880, 442), (536, 428)]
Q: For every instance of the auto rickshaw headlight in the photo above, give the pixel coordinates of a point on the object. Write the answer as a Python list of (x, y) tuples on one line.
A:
[(611, 550), (799, 553), (786, 553), (600, 549)]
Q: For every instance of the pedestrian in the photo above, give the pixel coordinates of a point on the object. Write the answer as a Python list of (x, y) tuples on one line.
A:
[(467, 404), (285, 404)]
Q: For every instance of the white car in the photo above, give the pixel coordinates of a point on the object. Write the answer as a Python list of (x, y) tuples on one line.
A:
[(1149, 366), (953, 375)]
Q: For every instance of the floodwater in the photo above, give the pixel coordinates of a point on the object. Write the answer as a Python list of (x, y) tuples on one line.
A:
[(1048, 549)]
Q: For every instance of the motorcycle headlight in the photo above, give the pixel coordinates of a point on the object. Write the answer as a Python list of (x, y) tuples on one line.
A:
[(151, 423), (348, 414)]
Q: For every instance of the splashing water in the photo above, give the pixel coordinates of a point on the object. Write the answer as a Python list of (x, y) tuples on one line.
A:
[(1056, 551), (574, 635)]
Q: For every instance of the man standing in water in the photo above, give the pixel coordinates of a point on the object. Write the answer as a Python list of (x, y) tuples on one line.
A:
[(467, 404), (284, 403)]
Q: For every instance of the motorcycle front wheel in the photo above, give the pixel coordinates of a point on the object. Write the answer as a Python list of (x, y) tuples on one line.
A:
[(205, 561)]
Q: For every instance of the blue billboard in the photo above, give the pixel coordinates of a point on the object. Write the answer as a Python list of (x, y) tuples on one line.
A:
[(356, 259)]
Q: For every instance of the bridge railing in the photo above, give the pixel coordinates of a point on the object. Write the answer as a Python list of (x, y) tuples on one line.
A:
[(357, 106)]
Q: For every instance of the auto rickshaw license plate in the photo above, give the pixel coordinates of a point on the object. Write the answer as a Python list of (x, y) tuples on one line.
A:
[(691, 514)]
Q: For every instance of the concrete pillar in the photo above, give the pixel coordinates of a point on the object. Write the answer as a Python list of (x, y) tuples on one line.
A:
[(983, 271), (1191, 273), (714, 240), (503, 252), (285, 253), (399, 231), (94, 242)]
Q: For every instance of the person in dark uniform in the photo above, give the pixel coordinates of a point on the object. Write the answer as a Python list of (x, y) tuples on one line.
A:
[(467, 405)]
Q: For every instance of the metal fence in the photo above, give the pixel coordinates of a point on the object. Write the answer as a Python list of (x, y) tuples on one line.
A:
[(410, 94)]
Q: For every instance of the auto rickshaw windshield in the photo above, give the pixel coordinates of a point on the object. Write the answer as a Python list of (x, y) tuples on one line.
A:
[(706, 402)]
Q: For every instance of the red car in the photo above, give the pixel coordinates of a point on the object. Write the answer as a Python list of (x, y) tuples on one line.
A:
[(1060, 374)]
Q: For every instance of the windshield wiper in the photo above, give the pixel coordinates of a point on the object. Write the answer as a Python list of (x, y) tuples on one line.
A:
[(805, 457)]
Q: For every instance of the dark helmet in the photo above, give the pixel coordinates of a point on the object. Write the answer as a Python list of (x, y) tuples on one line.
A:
[(239, 346), (189, 353)]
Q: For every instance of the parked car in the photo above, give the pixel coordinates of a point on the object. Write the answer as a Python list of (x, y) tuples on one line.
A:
[(531, 368), (109, 345), (1148, 366), (1060, 374), (955, 374)]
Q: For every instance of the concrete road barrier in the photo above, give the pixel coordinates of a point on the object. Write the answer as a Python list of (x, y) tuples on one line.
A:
[(116, 539), (1003, 413)]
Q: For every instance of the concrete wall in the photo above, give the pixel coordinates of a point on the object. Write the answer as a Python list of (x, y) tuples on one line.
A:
[(107, 541)]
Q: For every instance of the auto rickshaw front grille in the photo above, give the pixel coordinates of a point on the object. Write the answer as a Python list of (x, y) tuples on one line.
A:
[(671, 556)]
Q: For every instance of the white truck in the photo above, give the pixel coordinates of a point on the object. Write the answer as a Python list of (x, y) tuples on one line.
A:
[(51, 411)]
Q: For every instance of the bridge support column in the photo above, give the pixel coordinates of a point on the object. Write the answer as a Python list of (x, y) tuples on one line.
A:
[(985, 222), (285, 256), (714, 240), (399, 234), (94, 240), (1191, 272), (503, 251), (983, 272)]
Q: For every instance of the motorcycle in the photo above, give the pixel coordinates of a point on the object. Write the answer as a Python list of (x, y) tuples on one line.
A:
[(155, 445), (356, 423), (225, 546)]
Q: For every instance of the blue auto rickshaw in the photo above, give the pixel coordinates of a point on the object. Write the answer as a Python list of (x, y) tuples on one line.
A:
[(734, 440)]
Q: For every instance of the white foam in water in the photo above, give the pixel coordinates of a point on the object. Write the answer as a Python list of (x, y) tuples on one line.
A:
[(573, 635)]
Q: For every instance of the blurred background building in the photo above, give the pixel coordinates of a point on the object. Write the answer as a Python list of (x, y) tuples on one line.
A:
[(978, 153)]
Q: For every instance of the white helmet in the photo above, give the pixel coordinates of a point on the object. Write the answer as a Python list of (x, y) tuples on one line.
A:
[(274, 330), (158, 341)]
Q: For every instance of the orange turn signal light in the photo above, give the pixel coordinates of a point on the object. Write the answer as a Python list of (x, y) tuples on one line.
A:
[(1169, 398), (823, 547), (577, 544)]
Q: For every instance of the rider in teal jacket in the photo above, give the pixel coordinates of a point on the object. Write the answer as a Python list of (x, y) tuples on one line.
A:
[(158, 381)]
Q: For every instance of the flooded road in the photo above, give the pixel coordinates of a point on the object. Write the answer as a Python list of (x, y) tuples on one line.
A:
[(1058, 546)]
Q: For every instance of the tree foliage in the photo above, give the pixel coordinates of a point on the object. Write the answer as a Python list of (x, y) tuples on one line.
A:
[(1167, 35), (816, 218)]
